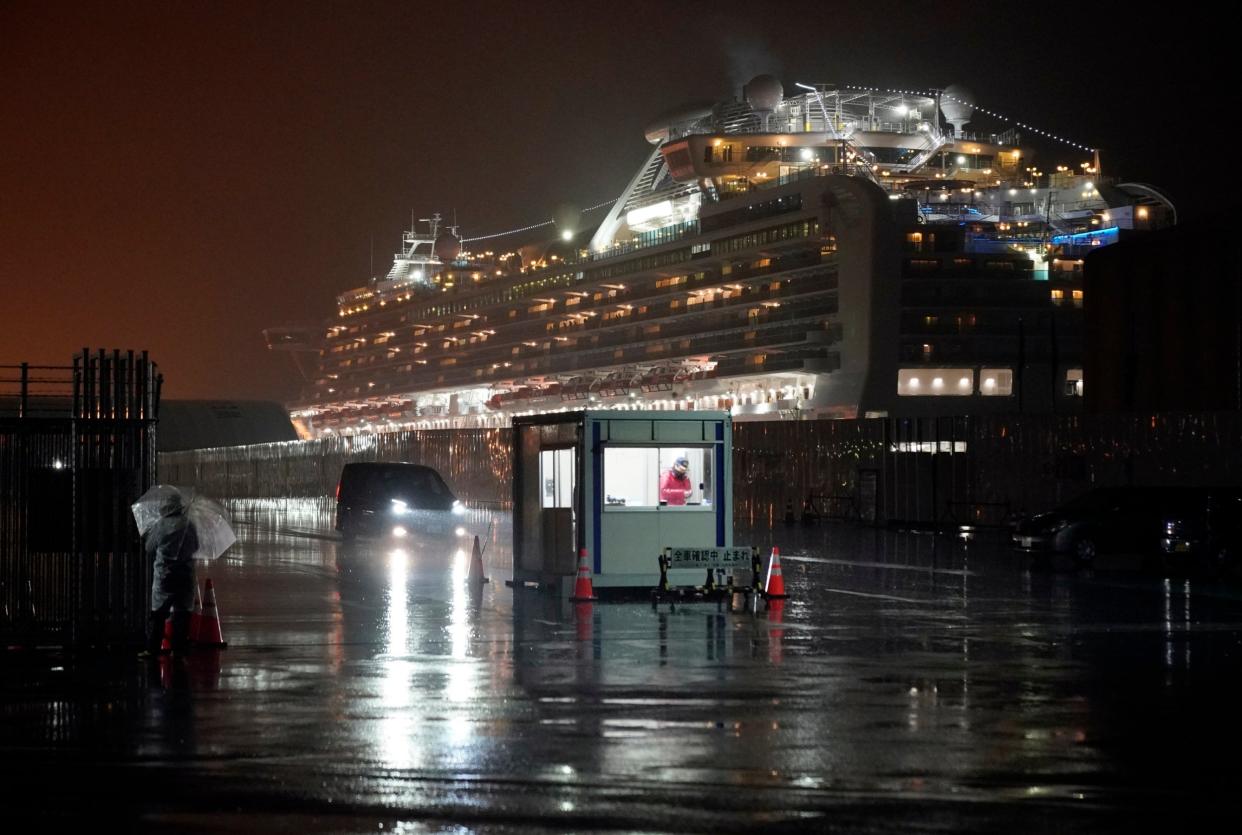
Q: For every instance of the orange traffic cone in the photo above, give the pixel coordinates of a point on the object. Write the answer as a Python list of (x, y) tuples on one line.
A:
[(583, 589), (209, 633), (775, 585), (476, 565)]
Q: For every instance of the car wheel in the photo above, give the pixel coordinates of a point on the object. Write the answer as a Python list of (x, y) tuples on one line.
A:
[(1084, 551)]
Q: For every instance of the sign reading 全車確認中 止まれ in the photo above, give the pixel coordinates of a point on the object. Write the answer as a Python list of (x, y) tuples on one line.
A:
[(708, 557)]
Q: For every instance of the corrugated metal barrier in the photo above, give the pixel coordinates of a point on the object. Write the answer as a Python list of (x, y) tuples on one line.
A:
[(922, 472)]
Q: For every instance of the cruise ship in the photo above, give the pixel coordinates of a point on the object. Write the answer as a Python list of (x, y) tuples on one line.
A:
[(811, 251)]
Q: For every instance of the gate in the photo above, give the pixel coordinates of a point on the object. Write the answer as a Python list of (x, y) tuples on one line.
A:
[(77, 448)]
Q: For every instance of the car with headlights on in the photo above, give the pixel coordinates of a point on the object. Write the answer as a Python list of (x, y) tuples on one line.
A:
[(396, 500)]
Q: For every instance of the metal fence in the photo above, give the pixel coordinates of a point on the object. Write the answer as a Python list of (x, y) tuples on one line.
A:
[(474, 461), (922, 472), (970, 470), (77, 448)]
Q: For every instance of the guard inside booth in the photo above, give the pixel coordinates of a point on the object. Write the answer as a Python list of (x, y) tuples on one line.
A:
[(658, 476), (621, 486)]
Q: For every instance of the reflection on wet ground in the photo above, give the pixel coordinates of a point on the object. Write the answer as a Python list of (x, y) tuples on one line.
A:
[(910, 683)]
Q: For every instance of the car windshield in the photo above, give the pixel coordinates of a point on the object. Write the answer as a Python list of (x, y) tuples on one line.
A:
[(414, 485)]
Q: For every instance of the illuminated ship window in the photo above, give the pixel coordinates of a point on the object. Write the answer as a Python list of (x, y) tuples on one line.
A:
[(935, 382), (996, 382)]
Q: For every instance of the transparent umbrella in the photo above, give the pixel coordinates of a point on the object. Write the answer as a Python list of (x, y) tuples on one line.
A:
[(211, 523)]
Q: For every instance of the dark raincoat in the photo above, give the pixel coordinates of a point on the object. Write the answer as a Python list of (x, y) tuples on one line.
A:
[(171, 542)]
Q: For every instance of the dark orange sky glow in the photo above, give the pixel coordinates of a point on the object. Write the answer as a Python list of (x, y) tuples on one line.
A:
[(176, 177)]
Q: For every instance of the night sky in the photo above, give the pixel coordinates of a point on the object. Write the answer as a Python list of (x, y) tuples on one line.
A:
[(178, 176)]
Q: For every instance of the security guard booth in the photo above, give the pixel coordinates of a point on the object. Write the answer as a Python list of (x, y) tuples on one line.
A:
[(624, 485)]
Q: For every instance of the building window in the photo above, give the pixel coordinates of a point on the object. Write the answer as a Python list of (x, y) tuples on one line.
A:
[(996, 382), (1077, 296), (1073, 382), (1058, 296)]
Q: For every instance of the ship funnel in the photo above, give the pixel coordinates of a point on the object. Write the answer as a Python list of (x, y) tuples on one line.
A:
[(957, 105)]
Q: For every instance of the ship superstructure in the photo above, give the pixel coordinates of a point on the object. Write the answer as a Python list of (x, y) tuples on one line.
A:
[(831, 253)]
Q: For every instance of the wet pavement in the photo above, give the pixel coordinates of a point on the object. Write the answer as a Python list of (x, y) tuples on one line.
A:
[(910, 684)]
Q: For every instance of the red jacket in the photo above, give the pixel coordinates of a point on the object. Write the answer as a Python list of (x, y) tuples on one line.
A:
[(674, 489)]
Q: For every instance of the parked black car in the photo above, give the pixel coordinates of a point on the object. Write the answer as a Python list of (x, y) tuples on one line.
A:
[(1205, 531), (1123, 520), (395, 500)]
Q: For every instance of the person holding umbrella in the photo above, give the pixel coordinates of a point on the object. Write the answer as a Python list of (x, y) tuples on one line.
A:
[(171, 542)]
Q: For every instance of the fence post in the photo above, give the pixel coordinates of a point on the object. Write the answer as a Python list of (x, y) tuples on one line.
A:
[(24, 402)]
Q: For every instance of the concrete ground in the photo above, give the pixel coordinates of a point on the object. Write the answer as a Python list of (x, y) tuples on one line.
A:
[(911, 684)]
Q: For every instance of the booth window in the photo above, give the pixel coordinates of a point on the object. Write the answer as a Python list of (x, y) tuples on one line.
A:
[(645, 477), (556, 477)]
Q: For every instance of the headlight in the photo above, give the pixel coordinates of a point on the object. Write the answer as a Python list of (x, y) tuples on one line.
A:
[(399, 508), (461, 531), (398, 531), (459, 509)]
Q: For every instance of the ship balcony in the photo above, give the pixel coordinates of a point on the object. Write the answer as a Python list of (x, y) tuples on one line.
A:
[(662, 328), (782, 328), (794, 285)]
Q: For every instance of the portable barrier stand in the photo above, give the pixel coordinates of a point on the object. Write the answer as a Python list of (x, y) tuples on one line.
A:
[(605, 481)]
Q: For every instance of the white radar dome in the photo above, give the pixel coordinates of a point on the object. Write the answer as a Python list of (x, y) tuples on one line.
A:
[(764, 93), (957, 105), (447, 247)]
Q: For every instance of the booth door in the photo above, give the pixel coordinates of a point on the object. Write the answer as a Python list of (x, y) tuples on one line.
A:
[(557, 490)]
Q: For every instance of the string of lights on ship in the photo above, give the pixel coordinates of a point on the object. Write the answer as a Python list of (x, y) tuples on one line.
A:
[(928, 93)]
